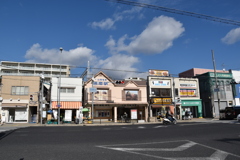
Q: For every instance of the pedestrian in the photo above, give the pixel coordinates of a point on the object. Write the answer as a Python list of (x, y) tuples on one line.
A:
[(178, 113), (2, 120), (183, 114), (125, 116)]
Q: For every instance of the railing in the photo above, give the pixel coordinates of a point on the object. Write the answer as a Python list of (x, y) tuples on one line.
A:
[(29, 74), (34, 68)]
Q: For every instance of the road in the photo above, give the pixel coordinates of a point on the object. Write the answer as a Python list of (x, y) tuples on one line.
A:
[(152, 141)]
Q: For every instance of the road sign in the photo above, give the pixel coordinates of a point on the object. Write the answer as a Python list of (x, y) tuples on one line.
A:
[(216, 89), (92, 89)]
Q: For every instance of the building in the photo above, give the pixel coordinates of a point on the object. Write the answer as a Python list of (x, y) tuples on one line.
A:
[(198, 71), (236, 86), (107, 99), (20, 98), (174, 94), (215, 96), (70, 98), (34, 69)]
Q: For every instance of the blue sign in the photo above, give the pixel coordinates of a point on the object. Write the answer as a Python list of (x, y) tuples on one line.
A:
[(237, 88)]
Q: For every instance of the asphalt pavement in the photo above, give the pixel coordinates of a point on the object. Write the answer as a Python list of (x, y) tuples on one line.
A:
[(106, 123)]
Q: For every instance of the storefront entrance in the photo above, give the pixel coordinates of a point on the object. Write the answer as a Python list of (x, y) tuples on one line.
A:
[(195, 106)]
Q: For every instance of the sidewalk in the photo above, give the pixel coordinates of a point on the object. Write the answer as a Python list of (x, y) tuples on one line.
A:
[(103, 123)]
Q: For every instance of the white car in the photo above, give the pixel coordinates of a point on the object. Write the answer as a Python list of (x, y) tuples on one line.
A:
[(238, 118)]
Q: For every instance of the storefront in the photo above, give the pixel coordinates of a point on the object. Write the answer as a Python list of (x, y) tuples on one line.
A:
[(115, 112), (68, 111), (195, 106), (160, 106), (15, 112)]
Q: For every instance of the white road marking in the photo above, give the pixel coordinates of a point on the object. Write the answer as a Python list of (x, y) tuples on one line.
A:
[(217, 154), (141, 127), (159, 126), (180, 148)]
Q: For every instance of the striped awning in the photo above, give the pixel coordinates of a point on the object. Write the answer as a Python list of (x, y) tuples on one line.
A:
[(67, 105)]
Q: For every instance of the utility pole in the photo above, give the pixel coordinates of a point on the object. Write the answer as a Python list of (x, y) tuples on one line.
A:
[(93, 99), (175, 109), (217, 86), (59, 87), (41, 100)]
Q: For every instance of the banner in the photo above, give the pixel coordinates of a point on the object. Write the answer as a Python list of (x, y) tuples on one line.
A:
[(188, 93), (161, 73)]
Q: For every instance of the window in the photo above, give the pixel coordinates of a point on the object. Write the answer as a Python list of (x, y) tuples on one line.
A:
[(228, 86), (176, 92), (131, 95), (101, 95), (67, 90), (102, 113), (161, 92), (20, 90)]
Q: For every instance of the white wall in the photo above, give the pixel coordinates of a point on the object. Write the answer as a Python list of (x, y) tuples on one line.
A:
[(67, 82), (236, 75)]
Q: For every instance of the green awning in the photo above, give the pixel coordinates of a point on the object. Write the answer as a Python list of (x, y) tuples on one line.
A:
[(85, 110)]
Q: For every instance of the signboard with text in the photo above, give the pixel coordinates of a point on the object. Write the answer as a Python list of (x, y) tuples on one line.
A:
[(133, 113), (162, 101), (161, 73)]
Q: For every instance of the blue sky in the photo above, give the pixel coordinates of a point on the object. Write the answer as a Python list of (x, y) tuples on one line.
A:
[(120, 37)]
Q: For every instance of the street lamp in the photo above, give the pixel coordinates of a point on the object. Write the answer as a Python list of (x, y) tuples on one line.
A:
[(59, 86)]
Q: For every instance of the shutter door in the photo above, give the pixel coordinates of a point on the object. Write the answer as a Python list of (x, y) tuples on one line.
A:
[(20, 114)]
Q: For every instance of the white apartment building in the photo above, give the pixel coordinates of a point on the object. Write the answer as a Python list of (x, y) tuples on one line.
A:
[(34, 69)]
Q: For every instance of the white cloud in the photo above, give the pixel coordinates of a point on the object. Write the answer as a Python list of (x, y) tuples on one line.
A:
[(123, 63), (157, 37), (105, 24), (78, 56), (81, 55), (232, 36), (109, 23)]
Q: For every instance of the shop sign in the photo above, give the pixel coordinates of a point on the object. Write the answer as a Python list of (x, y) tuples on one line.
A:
[(221, 75), (100, 81), (187, 85), (161, 101), (188, 93), (161, 83), (133, 114), (191, 103), (161, 73)]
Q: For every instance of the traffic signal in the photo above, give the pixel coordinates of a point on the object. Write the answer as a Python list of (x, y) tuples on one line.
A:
[(31, 97), (119, 82)]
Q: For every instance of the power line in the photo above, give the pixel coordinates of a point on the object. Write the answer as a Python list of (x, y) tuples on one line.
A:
[(177, 11)]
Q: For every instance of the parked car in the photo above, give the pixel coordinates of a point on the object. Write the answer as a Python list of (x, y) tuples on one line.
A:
[(238, 118), (229, 112)]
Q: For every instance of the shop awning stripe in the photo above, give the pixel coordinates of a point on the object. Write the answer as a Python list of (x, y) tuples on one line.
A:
[(66, 105)]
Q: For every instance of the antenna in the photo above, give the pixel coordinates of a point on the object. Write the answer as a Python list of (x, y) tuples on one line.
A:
[(223, 65)]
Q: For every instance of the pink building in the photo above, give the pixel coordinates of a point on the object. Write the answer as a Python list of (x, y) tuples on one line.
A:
[(104, 99), (197, 71)]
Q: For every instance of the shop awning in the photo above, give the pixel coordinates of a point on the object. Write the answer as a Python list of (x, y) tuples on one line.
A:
[(85, 110), (67, 105)]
